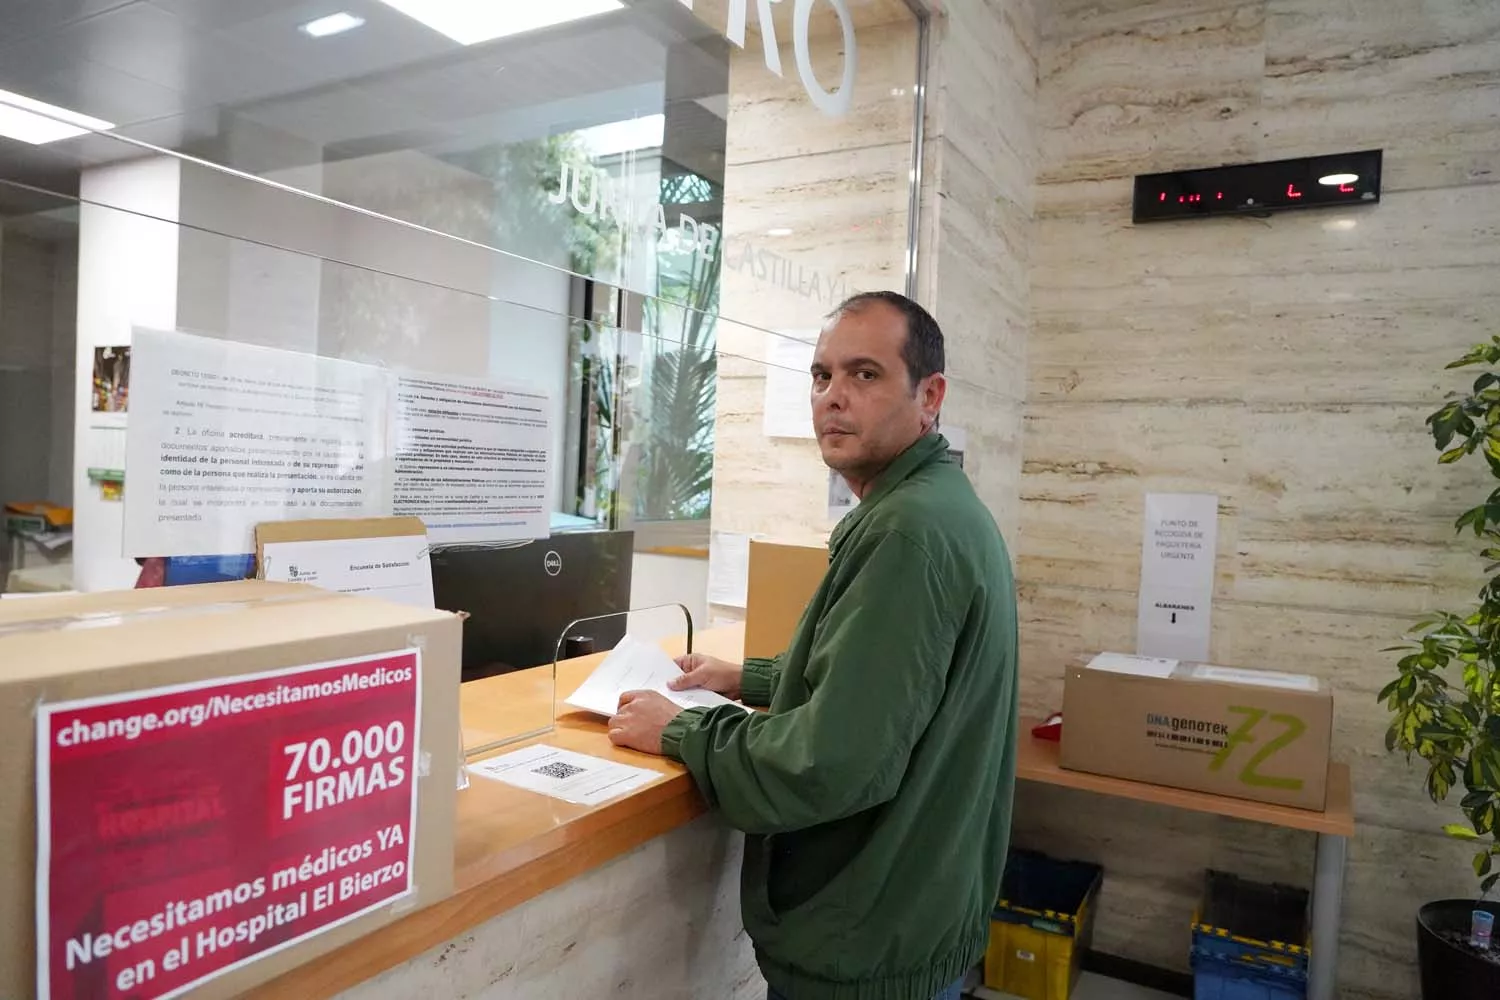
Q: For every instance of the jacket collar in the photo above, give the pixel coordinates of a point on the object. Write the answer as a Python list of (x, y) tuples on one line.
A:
[(927, 450)]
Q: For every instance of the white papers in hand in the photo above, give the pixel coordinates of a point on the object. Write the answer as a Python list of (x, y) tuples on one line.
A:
[(634, 665)]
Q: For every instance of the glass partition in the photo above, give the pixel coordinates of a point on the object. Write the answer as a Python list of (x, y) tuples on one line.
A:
[(644, 213)]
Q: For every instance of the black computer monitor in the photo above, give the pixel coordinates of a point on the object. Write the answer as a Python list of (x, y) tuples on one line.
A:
[(520, 599)]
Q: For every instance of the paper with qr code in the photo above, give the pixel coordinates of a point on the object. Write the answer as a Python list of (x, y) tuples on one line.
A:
[(634, 665), (563, 774)]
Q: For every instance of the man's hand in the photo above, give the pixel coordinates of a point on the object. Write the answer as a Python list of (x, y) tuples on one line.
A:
[(699, 670), (639, 723)]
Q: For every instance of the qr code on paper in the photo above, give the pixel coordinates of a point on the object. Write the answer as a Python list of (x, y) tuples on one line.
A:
[(558, 770)]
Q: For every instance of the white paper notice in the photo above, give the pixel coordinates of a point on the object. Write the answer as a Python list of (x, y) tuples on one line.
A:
[(395, 568), (471, 459), (1139, 666), (841, 499), (223, 436), (634, 665), (1177, 575), (1260, 678), (788, 397), (563, 774), (958, 442), (728, 569)]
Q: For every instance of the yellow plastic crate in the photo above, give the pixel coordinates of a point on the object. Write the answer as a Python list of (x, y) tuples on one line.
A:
[(1042, 925)]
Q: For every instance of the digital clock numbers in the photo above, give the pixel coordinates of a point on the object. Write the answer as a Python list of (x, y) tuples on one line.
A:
[(1259, 188)]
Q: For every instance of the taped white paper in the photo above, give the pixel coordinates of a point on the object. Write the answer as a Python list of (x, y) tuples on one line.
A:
[(1178, 546), (787, 409), (1138, 666), (563, 774)]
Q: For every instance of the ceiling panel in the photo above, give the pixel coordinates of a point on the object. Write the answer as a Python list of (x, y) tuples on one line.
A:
[(333, 115), (153, 45), (227, 13), (24, 19), (387, 40), (89, 88), (179, 73)]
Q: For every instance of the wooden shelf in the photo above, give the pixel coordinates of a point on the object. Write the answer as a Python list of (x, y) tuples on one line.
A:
[(1037, 760)]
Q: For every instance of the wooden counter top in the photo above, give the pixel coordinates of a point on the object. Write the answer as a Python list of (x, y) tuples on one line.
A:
[(512, 845)]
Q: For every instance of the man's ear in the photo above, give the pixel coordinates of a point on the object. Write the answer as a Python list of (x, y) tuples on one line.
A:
[(933, 391)]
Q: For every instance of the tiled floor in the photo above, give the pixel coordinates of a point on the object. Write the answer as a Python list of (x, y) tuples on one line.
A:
[(1092, 987)]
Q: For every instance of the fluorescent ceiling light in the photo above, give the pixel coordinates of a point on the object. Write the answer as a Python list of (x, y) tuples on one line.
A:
[(646, 132), (37, 123), (333, 24), (1334, 180), (779, 231), (470, 22)]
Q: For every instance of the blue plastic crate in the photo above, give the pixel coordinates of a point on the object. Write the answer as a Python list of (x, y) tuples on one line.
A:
[(1255, 927), (1216, 979), (1272, 957)]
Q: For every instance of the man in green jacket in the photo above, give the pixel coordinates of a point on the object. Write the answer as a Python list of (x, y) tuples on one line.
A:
[(876, 792)]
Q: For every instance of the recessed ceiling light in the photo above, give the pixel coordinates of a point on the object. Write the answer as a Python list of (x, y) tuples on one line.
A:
[(628, 136), (779, 232), (32, 121), (1334, 180), (333, 24), (469, 22)]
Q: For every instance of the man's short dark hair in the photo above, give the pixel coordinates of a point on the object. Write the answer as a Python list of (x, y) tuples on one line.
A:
[(923, 351)]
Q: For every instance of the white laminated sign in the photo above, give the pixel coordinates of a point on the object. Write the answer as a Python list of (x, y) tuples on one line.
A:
[(1173, 620)]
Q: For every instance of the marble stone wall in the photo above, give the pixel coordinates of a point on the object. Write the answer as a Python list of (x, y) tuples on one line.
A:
[(1286, 365), (841, 189), (659, 923), (976, 246), (803, 193)]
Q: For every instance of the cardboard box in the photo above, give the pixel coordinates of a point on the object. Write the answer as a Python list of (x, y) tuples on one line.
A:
[(1249, 734), (783, 579), (62, 649)]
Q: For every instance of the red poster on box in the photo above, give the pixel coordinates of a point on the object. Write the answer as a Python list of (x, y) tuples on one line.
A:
[(186, 831)]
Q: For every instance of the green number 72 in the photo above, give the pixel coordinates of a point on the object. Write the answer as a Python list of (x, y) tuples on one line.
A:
[(1293, 728)]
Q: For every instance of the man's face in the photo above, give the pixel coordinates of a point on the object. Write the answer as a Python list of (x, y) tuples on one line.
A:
[(865, 410)]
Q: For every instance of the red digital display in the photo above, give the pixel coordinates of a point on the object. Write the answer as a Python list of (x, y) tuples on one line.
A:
[(1260, 188)]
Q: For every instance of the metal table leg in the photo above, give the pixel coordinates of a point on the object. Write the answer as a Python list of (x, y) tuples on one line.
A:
[(1327, 908)]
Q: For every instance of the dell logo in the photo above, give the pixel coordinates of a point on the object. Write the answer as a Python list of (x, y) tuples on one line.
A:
[(552, 563)]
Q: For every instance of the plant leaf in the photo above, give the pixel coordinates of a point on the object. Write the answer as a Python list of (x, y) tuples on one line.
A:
[(1482, 863), (1460, 832), (1477, 798)]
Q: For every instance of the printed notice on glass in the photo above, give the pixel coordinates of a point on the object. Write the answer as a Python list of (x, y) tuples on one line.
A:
[(787, 411), (471, 459), (1177, 576), (183, 832), (841, 499), (223, 436)]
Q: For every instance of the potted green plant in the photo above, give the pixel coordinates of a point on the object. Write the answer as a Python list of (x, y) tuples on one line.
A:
[(1445, 703)]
